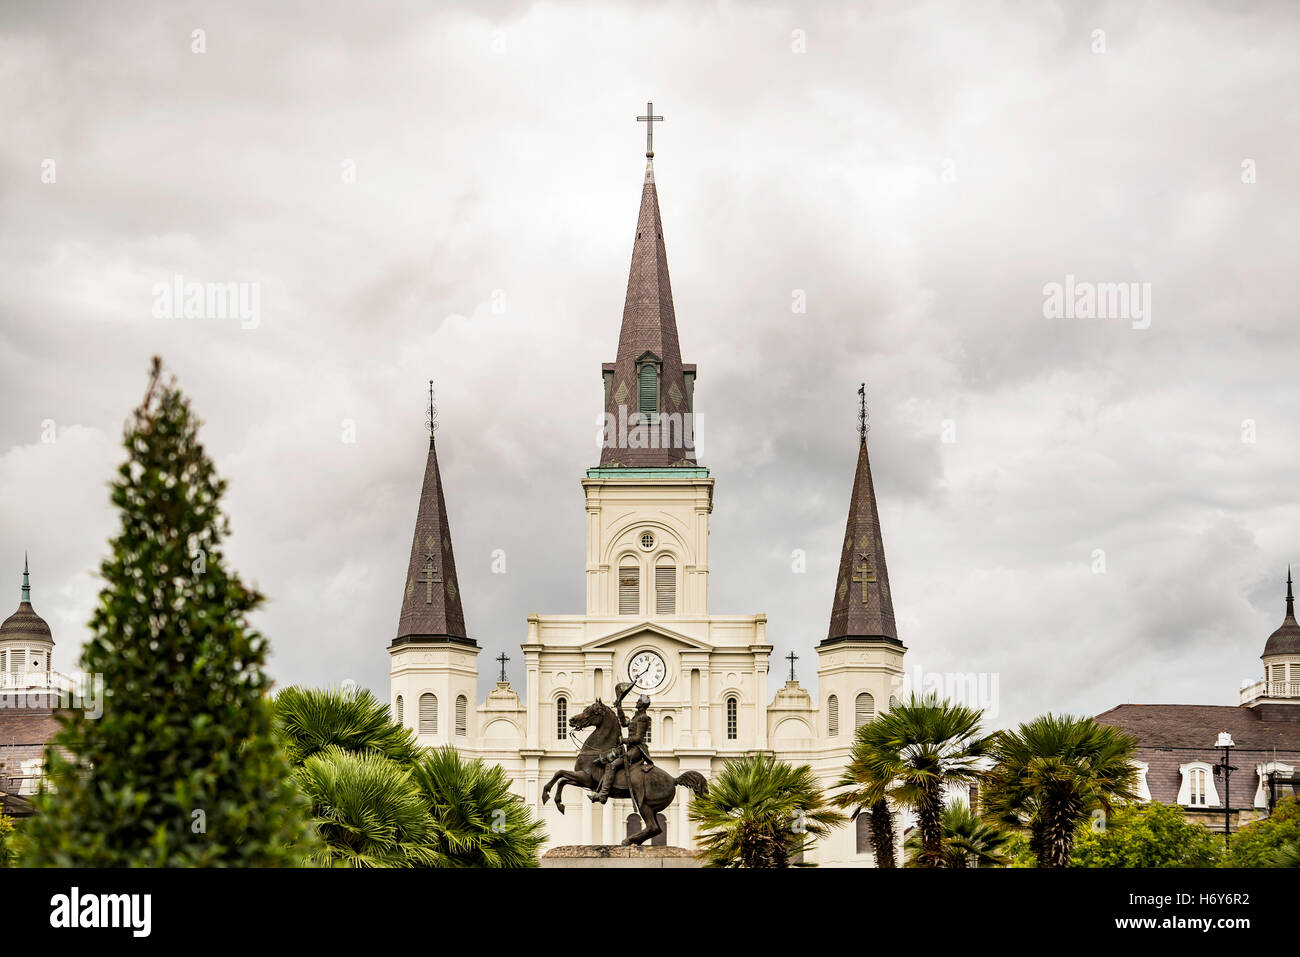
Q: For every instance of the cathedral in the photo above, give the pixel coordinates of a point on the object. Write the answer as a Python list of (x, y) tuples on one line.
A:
[(647, 618)]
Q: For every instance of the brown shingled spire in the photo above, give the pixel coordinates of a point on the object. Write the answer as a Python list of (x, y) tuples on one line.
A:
[(431, 611), (648, 337), (863, 608)]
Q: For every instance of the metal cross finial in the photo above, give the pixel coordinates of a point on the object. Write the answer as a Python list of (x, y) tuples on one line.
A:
[(650, 120), (864, 420), (503, 658), (792, 658), (431, 414)]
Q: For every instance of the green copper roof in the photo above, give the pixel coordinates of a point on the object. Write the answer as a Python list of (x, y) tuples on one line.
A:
[(678, 472)]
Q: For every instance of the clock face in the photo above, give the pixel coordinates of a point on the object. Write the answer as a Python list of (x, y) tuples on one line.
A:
[(646, 671)]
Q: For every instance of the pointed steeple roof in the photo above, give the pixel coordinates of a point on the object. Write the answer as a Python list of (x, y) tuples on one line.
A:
[(1286, 640), (863, 609), (25, 623), (648, 336), (431, 610)]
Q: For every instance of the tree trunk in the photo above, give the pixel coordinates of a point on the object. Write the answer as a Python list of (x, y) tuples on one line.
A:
[(928, 816), (882, 834)]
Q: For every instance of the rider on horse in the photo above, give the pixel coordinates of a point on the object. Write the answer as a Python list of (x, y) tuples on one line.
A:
[(635, 748)]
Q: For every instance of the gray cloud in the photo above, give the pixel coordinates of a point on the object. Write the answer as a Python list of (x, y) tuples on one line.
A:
[(496, 154)]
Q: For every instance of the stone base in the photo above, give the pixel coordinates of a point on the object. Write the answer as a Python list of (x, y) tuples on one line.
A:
[(614, 855)]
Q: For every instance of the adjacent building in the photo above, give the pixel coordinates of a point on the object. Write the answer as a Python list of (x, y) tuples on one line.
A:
[(1179, 757)]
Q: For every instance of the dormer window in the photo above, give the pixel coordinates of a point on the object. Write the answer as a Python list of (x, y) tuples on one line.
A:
[(1197, 789)]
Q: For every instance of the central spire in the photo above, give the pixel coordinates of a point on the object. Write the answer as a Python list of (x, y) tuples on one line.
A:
[(649, 392)]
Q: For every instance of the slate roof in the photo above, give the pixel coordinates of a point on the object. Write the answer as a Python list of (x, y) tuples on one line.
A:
[(431, 609), (649, 326), (863, 607), (1198, 726)]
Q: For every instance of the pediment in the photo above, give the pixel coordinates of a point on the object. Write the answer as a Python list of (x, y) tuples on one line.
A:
[(646, 628)]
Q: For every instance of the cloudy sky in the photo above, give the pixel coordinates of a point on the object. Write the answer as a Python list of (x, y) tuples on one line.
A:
[(1091, 512)]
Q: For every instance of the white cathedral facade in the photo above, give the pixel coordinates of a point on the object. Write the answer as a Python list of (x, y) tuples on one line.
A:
[(647, 616)]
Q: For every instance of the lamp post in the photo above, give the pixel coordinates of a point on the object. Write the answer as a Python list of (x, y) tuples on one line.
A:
[(1223, 767)]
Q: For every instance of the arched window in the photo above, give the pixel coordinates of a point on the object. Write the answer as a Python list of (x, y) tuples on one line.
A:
[(428, 714), (399, 709), (629, 589), (863, 710), (862, 832), (561, 718), (833, 716), (733, 718), (668, 731), (648, 389), (462, 713), (649, 731), (665, 587), (893, 702)]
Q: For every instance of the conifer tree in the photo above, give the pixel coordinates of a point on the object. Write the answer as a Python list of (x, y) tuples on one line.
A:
[(183, 768)]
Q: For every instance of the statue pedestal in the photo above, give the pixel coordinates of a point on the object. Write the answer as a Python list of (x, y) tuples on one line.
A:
[(614, 855)]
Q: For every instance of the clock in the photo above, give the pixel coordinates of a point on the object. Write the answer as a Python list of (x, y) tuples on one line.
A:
[(646, 671)]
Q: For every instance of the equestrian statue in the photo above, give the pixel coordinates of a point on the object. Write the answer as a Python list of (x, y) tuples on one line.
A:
[(613, 765)]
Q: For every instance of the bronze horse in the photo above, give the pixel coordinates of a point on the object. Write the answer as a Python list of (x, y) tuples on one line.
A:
[(651, 792)]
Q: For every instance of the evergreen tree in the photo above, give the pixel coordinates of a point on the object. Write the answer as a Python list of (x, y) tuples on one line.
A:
[(183, 768)]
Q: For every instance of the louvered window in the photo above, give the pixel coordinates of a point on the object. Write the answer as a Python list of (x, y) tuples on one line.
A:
[(864, 710), (649, 390), (833, 716), (462, 714), (561, 718), (629, 590), (665, 590), (428, 714), (399, 709), (3, 661), (733, 719)]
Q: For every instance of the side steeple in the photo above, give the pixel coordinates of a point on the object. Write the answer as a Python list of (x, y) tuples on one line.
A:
[(649, 393), (431, 609), (863, 608)]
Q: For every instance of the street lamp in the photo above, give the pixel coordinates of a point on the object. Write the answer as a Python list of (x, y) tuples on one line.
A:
[(1223, 767)]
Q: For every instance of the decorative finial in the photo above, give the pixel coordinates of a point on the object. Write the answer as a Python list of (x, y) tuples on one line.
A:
[(649, 120), (864, 419), (431, 414), (503, 658), (27, 582), (1290, 599), (792, 658)]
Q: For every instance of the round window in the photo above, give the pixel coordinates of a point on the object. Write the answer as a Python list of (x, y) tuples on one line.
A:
[(647, 540)]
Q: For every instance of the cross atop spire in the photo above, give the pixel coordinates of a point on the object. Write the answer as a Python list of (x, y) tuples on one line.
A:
[(864, 419), (649, 120), (27, 583), (502, 659), (792, 658)]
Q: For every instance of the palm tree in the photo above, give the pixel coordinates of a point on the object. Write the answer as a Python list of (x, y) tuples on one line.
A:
[(1052, 773), (910, 755), (1288, 855), (313, 719), (477, 821), (968, 840), (368, 810), (761, 812), (869, 796)]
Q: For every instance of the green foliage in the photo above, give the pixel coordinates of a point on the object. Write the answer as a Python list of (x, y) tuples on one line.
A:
[(968, 840), (761, 812), (1018, 851), (1145, 835), (369, 811), (1051, 773), (381, 801), (910, 755), (6, 840), (184, 768), (477, 820), (1262, 843), (1288, 855), (313, 719)]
